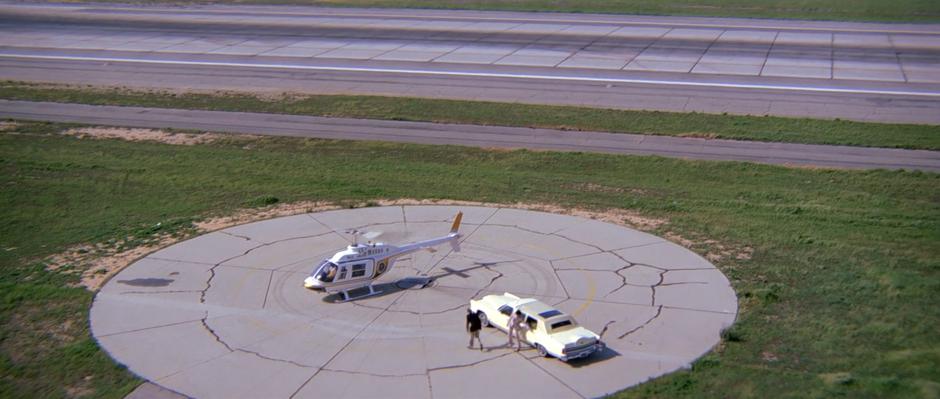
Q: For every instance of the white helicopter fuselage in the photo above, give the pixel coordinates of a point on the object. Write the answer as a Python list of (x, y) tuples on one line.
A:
[(359, 265)]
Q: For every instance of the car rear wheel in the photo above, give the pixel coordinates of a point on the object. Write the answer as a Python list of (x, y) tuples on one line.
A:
[(483, 320), (542, 351)]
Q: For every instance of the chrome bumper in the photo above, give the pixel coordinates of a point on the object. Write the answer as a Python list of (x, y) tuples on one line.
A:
[(582, 352)]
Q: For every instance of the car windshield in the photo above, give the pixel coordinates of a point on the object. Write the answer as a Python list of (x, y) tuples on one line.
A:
[(326, 271)]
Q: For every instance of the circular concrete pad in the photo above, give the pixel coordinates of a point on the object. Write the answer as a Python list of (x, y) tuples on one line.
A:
[(225, 314)]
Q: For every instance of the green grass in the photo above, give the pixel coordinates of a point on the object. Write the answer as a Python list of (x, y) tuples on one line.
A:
[(776, 129), (853, 10), (841, 290)]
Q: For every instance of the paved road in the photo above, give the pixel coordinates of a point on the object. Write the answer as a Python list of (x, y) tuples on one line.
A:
[(479, 136), (876, 72), (225, 314)]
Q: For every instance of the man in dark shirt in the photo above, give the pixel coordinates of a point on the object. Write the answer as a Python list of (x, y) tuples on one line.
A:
[(474, 327)]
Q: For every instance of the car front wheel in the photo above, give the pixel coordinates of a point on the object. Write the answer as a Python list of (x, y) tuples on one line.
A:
[(542, 351), (483, 320)]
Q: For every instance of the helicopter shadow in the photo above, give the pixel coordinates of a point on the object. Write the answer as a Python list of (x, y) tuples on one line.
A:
[(382, 289), (407, 283)]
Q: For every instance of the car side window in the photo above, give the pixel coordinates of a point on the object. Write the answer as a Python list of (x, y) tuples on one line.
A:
[(505, 309), (532, 323)]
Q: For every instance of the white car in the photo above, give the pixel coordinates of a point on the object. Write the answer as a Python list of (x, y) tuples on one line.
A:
[(550, 331)]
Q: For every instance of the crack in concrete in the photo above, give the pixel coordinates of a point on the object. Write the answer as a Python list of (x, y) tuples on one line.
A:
[(148, 328), (683, 283), (623, 279), (178, 260), (560, 281), (374, 374), (552, 375), (332, 231), (579, 242), (246, 238), (492, 280), (606, 326), (202, 298), (214, 334), (662, 276), (273, 359), (219, 339), (267, 291), (578, 256), (351, 340), (554, 234), (659, 311)]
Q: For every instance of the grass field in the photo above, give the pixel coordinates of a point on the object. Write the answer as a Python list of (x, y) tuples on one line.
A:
[(855, 10), (838, 299), (792, 130)]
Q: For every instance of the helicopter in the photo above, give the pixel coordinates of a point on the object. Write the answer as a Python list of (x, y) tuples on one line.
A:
[(359, 265)]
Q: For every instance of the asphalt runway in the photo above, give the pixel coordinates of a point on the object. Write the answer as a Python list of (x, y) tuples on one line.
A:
[(478, 136), (225, 314), (871, 72)]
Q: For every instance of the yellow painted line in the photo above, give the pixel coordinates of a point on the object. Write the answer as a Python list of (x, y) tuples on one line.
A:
[(592, 292)]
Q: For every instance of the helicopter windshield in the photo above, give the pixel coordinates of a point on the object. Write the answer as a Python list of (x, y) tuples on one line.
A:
[(326, 272)]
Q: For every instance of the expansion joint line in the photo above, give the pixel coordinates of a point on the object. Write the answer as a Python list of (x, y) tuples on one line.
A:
[(351, 340)]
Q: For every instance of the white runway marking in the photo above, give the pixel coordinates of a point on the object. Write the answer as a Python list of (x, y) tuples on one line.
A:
[(485, 74)]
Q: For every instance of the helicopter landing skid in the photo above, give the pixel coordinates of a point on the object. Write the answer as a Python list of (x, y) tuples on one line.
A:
[(346, 297)]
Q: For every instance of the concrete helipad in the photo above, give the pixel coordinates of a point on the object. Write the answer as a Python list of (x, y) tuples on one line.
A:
[(225, 314)]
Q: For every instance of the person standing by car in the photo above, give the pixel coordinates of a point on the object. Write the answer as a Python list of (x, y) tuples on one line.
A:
[(473, 328), (513, 327), (521, 330)]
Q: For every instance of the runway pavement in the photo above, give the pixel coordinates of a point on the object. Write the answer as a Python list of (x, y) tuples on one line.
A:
[(873, 72), (479, 136)]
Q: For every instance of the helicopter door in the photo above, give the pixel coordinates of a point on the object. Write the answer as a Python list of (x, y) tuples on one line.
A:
[(342, 273), (360, 269)]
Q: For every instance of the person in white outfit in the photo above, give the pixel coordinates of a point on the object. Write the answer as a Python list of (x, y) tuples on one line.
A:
[(513, 326)]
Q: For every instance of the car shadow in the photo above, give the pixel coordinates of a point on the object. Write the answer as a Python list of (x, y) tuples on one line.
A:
[(596, 357)]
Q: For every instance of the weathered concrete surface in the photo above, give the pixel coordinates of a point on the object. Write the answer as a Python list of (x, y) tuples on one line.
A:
[(225, 314)]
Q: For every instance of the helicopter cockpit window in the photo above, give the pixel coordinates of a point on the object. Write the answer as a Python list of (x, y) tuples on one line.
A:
[(326, 272)]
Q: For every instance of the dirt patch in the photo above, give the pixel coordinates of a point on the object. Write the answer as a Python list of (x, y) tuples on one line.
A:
[(95, 264), (6, 126), (616, 216), (714, 250), (594, 188), (82, 389), (256, 214), (699, 135), (30, 324), (133, 134)]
